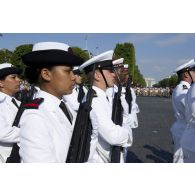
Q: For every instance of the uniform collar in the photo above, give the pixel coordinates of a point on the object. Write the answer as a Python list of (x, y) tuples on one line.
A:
[(76, 87), (99, 91), (51, 101), (37, 88), (185, 83), (115, 88), (4, 96)]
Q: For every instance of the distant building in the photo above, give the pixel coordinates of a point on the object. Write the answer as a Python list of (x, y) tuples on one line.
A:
[(150, 82)]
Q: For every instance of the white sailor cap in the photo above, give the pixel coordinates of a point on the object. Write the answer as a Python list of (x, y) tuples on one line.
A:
[(50, 45), (118, 63), (76, 70), (75, 67), (103, 60), (184, 67), (51, 53), (192, 64), (125, 66), (5, 65), (7, 69)]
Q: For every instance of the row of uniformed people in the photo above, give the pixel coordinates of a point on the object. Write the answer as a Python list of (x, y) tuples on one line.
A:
[(183, 101), (46, 129), (153, 91), (120, 69)]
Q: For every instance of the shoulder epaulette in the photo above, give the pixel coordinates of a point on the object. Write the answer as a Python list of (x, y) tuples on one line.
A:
[(185, 87), (34, 104)]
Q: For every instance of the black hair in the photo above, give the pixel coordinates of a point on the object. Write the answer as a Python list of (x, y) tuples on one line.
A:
[(3, 77), (32, 73)]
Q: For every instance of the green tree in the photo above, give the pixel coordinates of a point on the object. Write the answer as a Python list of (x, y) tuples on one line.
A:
[(16, 58), (5, 56), (127, 51), (81, 53), (168, 82), (173, 81)]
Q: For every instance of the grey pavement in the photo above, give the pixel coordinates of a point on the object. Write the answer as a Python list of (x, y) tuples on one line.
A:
[(152, 139)]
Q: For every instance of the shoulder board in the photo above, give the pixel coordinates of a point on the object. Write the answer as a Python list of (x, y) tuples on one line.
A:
[(34, 104), (185, 87)]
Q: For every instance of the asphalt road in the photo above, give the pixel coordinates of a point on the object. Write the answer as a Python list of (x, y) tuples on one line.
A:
[(152, 139)]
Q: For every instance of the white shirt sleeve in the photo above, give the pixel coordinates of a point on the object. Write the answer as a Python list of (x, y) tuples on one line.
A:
[(8, 134), (129, 120), (113, 134)]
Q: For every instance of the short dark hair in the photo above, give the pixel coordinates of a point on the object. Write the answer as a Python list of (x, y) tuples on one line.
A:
[(3, 77), (32, 73)]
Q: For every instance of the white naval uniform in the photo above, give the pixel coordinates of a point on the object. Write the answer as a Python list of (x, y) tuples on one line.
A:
[(72, 99), (45, 132), (178, 127), (134, 110), (188, 137), (105, 132), (132, 117), (37, 91), (8, 134)]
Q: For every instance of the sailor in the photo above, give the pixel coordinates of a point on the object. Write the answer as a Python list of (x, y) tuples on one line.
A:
[(46, 129), (78, 93), (134, 106), (188, 136), (9, 85), (121, 79), (110, 91), (100, 72), (179, 104)]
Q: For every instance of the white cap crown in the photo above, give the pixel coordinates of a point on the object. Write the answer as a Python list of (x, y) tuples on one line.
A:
[(188, 64), (5, 65), (50, 45), (126, 66), (99, 58), (118, 61)]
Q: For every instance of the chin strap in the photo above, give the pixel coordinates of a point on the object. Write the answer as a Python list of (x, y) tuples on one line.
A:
[(190, 77), (101, 71)]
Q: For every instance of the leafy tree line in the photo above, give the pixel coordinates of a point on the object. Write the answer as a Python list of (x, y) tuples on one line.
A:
[(125, 50), (5, 55), (168, 82)]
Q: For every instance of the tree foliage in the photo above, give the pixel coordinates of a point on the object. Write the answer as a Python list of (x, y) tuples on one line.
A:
[(5, 56), (127, 51), (16, 58), (168, 82), (81, 53)]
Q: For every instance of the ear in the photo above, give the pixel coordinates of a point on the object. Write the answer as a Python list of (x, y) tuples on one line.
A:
[(186, 75), (46, 74), (97, 75), (1, 84)]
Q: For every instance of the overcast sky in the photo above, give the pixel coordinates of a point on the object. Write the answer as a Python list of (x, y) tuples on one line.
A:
[(157, 55)]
